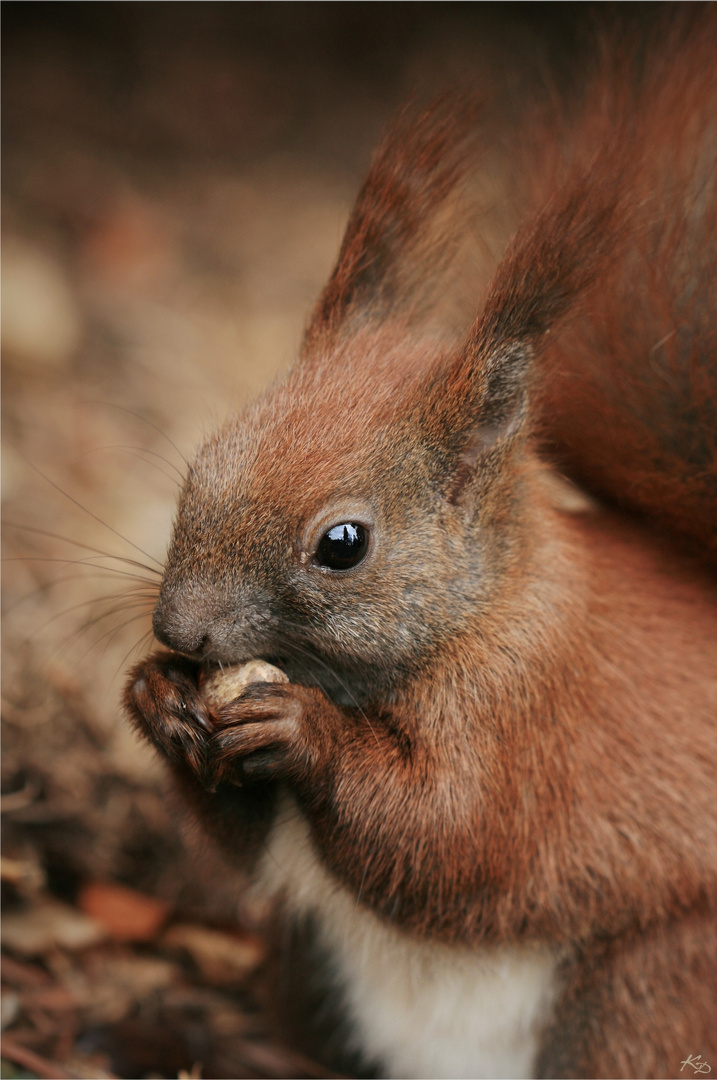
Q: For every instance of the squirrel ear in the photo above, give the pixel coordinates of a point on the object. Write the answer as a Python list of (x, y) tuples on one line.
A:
[(417, 168), (476, 410), (479, 403)]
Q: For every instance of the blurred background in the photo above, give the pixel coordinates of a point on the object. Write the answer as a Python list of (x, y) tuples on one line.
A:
[(177, 177)]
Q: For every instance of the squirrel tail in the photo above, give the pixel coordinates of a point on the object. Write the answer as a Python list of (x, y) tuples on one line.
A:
[(627, 389)]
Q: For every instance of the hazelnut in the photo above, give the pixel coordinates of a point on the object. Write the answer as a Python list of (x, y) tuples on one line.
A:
[(219, 686)]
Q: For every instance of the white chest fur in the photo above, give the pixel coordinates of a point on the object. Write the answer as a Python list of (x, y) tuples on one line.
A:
[(421, 1009)]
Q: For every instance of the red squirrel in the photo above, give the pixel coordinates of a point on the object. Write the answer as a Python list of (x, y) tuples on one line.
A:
[(490, 781)]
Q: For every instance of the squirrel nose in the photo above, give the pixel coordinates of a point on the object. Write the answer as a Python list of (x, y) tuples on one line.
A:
[(206, 622), (194, 621), (182, 634)]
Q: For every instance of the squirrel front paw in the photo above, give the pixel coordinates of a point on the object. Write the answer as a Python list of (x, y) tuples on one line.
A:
[(164, 702), (261, 734)]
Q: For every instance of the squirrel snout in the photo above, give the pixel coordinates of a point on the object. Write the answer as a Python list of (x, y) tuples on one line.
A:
[(204, 622), (181, 634)]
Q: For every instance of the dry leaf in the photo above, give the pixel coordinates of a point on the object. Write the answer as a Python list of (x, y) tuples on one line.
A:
[(48, 924), (221, 957), (125, 914)]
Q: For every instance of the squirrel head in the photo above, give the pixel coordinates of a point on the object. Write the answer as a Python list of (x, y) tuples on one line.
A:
[(341, 526), (374, 504)]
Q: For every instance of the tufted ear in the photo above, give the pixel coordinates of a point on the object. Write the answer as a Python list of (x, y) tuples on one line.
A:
[(479, 402), (418, 167)]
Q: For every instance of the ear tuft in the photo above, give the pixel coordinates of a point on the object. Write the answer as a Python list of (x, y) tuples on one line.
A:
[(479, 403), (418, 167)]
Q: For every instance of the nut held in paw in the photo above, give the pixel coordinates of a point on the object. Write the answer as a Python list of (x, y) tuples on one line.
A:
[(220, 686)]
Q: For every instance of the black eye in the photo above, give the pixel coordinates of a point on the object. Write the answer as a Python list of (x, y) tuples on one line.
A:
[(342, 547)]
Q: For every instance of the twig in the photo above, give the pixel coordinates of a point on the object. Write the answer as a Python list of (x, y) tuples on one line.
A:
[(28, 1059), (19, 973)]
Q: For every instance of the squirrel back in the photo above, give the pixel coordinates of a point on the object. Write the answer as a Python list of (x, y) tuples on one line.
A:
[(496, 748)]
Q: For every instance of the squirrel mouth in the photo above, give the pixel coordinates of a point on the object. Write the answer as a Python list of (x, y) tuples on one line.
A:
[(210, 666)]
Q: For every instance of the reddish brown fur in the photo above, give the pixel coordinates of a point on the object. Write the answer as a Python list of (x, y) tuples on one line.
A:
[(418, 167), (502, 726), (629, 392)]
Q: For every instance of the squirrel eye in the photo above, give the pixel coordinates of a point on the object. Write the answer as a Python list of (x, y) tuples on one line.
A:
[(343, 546)]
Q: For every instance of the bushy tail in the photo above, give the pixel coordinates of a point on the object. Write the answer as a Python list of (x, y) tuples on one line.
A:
[(628, 388)]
